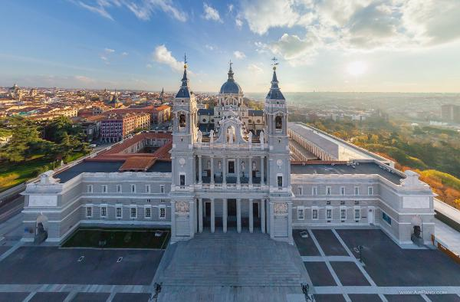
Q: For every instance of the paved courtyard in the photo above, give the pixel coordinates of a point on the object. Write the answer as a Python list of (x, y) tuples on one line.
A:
[(389, 273)]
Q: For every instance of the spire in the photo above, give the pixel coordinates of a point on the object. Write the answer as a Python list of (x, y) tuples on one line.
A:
[(230, 72), (275, 92), (184, 90)]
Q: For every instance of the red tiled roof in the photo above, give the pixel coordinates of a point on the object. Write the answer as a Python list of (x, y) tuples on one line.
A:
[(138, 163)]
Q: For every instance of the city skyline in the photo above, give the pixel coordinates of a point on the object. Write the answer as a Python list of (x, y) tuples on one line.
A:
[(384, 46)]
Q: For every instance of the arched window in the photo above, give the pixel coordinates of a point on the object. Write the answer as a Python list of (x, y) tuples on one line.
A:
[(278, 123), (182, 120)]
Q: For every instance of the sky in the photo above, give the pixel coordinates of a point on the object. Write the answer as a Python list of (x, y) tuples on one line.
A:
[(321, 45)]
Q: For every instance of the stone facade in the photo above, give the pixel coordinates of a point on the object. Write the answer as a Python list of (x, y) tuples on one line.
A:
[(234, 178)]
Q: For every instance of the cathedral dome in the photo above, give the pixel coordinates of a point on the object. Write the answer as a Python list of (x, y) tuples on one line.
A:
[(231, 86)]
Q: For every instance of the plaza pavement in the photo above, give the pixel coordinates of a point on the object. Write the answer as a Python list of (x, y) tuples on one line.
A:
[(230, 267)]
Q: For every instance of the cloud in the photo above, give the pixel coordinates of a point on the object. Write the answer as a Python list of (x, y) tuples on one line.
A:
[(209, 47), (142, 10), (104, 58), (254, 68), (108, 50), (239, 55), (238, 22), (230, 8), (124, 54), (149, 66), (211, 13), (261, 15), (351, 25), (163, 56), (84, 79), (292, 48)]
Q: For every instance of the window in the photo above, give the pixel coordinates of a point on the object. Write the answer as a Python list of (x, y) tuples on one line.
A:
[(89, 188), (356, 190), (182, 180), (300, 191), (278, 123), (357, 214), (147, 188), (314, 191), (182, 121), (342, 190), (104, 189), (162, 212), (370, 191), (386, 218), (119, 212), (280, 182), (328, 213), (328, 190), (89, 211), (147, 212), (119, 189), (133, 188), (300, 213), (314, 214), (343, 213), (133, 212), (162, 189), (231, 166), (103, 211)]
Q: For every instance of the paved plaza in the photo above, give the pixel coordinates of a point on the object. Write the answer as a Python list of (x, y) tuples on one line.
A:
[(233, 267), (389, 273)]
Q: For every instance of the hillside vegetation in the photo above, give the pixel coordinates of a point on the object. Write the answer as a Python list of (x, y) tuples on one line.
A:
[(432, 152)]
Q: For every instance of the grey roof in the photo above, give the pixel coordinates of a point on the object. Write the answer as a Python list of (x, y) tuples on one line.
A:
[(252, 112), (275, 92), (362, 168), (105, 167), (88, 166), (231, 86), (184, 91), (206, 111)]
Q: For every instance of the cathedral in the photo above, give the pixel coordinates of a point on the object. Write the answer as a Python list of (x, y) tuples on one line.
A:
[(231, 169)]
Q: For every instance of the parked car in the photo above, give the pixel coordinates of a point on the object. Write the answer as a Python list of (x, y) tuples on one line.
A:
[(304, 234)]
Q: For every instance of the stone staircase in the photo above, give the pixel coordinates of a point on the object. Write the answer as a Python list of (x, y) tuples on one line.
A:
[(232, 259)]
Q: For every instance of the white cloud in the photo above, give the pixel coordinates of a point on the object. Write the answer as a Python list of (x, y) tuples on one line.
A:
[(292, 48), (104, 58), (230, 8), (239, 55), (238, 22), (84, 79), (149, 66), (209, 47), (254, 68), (124, 54), (143, 10), (211, 13), (108, 50), (363, 25), (261, 15), (163, 56)]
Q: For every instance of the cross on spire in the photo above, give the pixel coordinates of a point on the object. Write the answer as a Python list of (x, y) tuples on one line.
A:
[(275, 63), (185, 60)]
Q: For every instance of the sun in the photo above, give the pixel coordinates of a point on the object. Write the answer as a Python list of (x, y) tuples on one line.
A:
[(357, 68)]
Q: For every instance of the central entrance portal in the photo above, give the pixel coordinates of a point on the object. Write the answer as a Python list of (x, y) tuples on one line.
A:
[(231, 210)]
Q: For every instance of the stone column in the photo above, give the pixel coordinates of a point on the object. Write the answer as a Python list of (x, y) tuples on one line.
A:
[(213, 216), (272, 220), (262, 215), (200, 215), (173, 220), (289, 230), (262, 170), (238, 171), (191, 209), (251, 216), (250, 171), (212, 170), (224, 170), (224, 215), (238, 215), (200, 170)]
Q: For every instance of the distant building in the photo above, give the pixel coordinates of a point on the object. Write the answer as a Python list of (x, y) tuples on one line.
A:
[(450, 113), (116, 127), (161, 114)]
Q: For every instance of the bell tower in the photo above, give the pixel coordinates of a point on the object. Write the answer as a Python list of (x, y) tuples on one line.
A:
[(279, 164), (183, 165)]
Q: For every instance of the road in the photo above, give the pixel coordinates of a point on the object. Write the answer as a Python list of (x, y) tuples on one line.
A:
[(11, 209)]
